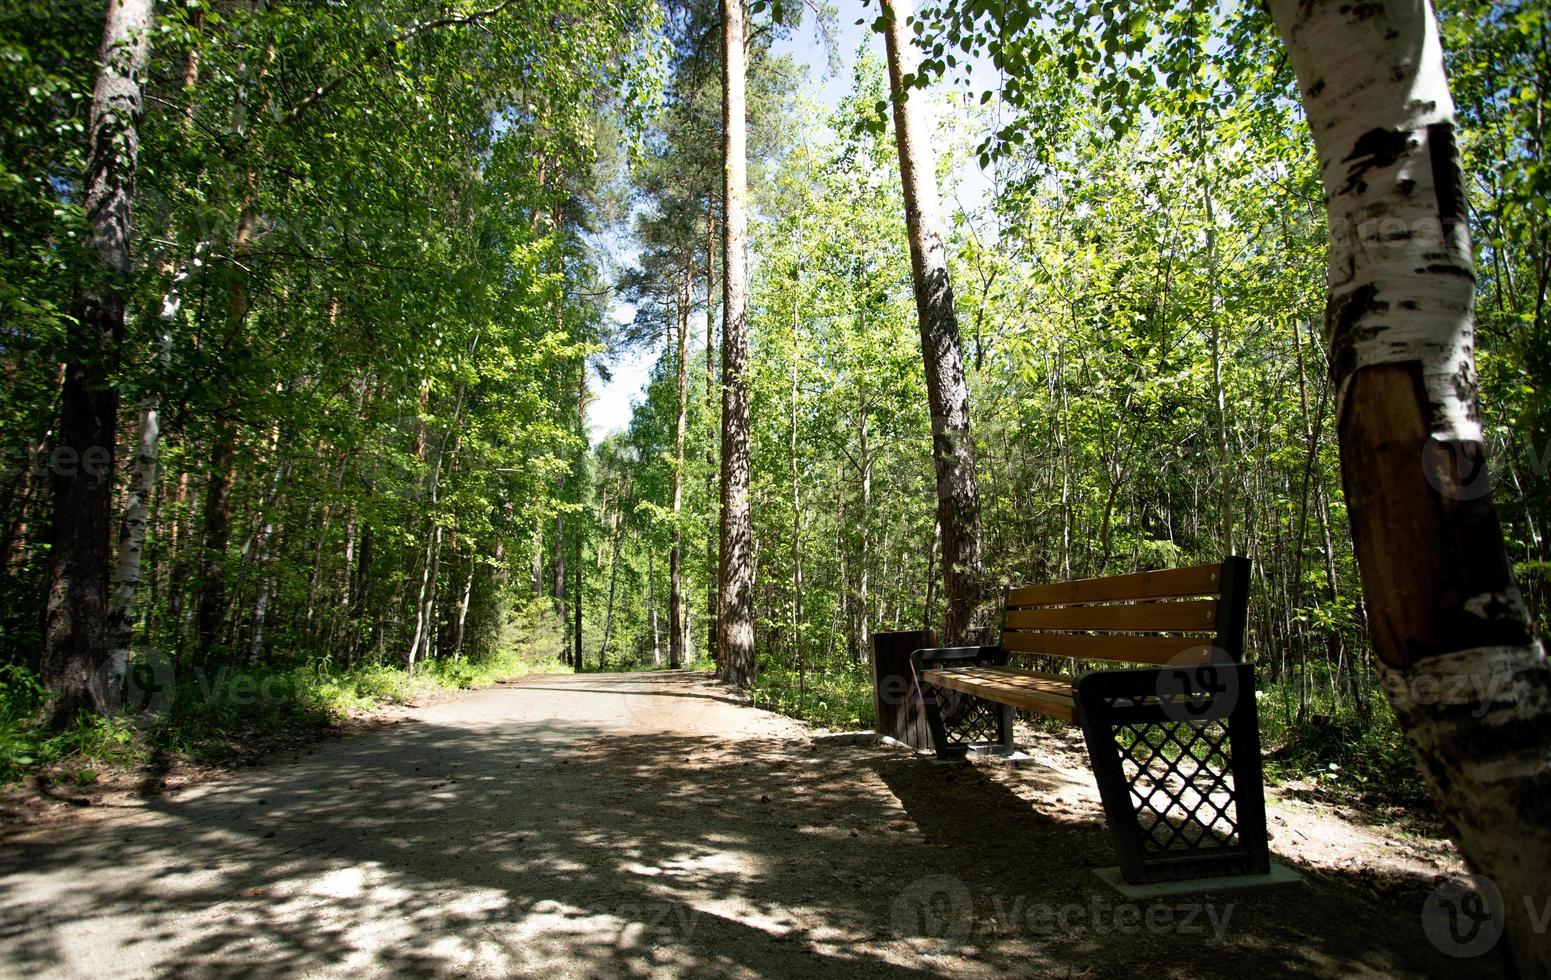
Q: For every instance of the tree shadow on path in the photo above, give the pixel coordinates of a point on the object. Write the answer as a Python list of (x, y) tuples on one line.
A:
[(495, 847)]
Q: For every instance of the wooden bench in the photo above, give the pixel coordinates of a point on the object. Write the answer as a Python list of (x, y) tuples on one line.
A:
[(1175, 745)]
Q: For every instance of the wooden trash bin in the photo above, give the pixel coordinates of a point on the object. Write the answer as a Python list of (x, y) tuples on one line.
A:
[(896, 693)]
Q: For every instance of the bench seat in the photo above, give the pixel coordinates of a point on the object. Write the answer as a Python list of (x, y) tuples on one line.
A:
[(1046, 694)]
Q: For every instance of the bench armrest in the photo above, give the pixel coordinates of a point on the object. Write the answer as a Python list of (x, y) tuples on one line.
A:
[(947, 656)]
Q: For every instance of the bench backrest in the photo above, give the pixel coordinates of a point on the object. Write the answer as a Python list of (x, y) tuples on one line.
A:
[(1173, 615)]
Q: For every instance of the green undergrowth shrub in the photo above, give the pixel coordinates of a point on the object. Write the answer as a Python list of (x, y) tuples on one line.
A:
[(25, 744), (838, 700), (201, 713), (1338, 750)]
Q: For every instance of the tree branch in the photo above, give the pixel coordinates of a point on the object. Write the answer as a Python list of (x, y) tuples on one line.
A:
[(425, 27)]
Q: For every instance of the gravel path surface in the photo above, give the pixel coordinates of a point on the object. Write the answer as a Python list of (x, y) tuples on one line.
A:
[(641, 824)]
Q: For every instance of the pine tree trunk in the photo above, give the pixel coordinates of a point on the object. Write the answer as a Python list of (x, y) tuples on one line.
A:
[(676, 626), (75, 634), (736, 612), (713, 651), (1468, 681), (576, 609), (953, 449)]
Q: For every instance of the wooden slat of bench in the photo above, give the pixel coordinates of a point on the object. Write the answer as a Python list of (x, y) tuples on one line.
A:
[(1169, 583), (1194, 616), (1158, 650), (1048, 694)]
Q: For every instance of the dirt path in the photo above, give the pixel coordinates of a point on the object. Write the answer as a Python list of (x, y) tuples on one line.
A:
[(630, 824)]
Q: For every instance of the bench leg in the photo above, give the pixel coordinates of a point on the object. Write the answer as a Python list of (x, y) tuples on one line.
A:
[(1176, 753), (958, 721)]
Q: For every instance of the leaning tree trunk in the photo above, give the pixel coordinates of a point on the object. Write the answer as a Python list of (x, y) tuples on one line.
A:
[(1468, 680), (953, 450), (736, 608), (75, 649)]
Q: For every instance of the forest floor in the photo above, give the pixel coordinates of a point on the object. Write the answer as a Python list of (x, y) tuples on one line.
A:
[(630, 824)]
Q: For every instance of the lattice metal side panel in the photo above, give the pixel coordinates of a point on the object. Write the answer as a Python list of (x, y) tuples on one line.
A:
[(1178, 766), (961, 721), (969, 720)]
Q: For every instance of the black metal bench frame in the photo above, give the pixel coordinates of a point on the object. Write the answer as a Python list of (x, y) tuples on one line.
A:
[(1175, 749)]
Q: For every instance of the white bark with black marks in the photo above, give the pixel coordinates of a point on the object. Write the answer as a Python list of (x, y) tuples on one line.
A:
[(1468, 680)]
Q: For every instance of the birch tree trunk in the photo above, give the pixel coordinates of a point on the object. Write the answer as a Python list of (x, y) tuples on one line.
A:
[(1468, 680), (736, 606), (137, 502), (953, 449), (463, 607), (75, 647), (142, 478), (537, 566)]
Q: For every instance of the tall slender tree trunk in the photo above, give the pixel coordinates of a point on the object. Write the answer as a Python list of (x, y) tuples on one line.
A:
[(578, 584), (346, 600), (261, 550), (560, 593), (736, 612), (75, 641), (651, 597), (142, 478), (953, 449), (217, 534), (1225, 470), (463, 606), (864, 521), (676, 626), (797, 615), (608, 614), (536, 569), (713, 649), (1469, 682), (580, 574), (137, 503)]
